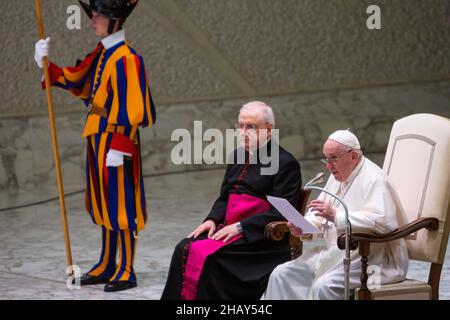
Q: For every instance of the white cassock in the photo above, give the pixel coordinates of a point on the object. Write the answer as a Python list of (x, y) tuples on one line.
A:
[(373, 208)]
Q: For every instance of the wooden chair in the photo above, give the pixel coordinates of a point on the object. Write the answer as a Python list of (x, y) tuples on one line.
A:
[(278, 230), (418, 165)]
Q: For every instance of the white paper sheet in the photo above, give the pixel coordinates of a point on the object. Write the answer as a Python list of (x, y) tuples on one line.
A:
[(292, 215)]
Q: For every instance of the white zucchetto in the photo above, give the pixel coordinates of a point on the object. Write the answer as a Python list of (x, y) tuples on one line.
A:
[(346, 138)]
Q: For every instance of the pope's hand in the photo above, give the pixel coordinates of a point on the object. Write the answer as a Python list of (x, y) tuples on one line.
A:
[(207, 226), (41, 50), (226, 233), (114, 158), (295, 231), (323, 209)]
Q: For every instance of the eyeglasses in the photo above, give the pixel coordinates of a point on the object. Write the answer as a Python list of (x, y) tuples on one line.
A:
[(334, 159), (250, 127)]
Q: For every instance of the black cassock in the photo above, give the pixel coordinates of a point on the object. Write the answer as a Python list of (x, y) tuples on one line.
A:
[(241, 269)]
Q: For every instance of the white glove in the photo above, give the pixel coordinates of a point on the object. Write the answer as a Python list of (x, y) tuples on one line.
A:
[(114, 158), (41, 50)]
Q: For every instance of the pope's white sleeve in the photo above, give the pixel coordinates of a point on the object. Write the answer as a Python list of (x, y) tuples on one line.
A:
[(377, 215)]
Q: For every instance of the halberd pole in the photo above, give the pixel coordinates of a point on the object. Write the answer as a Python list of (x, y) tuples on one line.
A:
[(55, 142)]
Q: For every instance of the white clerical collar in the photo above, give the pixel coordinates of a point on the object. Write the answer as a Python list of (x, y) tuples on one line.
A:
[(113, 39), (252, 152), (354, 172)]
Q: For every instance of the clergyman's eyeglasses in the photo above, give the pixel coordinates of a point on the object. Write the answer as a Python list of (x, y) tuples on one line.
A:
[(250, 127)]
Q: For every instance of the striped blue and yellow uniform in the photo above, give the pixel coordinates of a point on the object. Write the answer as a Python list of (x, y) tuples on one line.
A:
[(113, 79)]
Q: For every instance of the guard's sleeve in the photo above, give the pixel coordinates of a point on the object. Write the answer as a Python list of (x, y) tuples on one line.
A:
[(76, 79), (131, 102), (124, 144)]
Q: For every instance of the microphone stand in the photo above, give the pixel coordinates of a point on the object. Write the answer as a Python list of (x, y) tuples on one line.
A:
[(310, 186)]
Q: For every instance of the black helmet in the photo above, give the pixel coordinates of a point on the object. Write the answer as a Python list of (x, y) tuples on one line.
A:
[(113, 9)]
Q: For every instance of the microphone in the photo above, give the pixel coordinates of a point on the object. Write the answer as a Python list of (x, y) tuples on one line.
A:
[(316, 180), (310, 186)]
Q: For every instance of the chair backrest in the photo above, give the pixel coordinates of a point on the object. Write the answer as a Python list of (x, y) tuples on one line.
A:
[(418, 165), (303, 200)]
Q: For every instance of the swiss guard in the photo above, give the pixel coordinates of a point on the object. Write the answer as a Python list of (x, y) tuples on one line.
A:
[(112, 83)]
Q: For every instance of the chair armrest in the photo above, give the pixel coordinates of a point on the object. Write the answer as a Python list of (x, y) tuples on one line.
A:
[(431, 224), (276, 230), (363, 240)]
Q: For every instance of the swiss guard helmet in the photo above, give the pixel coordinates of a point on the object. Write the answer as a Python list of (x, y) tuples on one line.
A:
[(115, 10)]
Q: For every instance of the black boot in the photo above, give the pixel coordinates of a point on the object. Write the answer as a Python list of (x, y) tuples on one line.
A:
[(120, 286), (87, 280)]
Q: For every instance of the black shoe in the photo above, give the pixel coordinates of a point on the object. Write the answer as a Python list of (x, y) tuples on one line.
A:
[(87, 280), (120, 286)]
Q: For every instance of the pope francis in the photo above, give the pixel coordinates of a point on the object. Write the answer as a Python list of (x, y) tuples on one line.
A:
[(373, 207)]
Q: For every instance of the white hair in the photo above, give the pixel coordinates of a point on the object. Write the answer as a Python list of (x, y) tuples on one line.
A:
[(264, 109)]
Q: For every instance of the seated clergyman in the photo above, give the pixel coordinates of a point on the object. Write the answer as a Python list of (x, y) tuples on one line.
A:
[(373, 206), (228, 255)]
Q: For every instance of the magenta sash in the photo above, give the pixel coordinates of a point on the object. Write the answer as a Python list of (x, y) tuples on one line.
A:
[(239, 207)]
